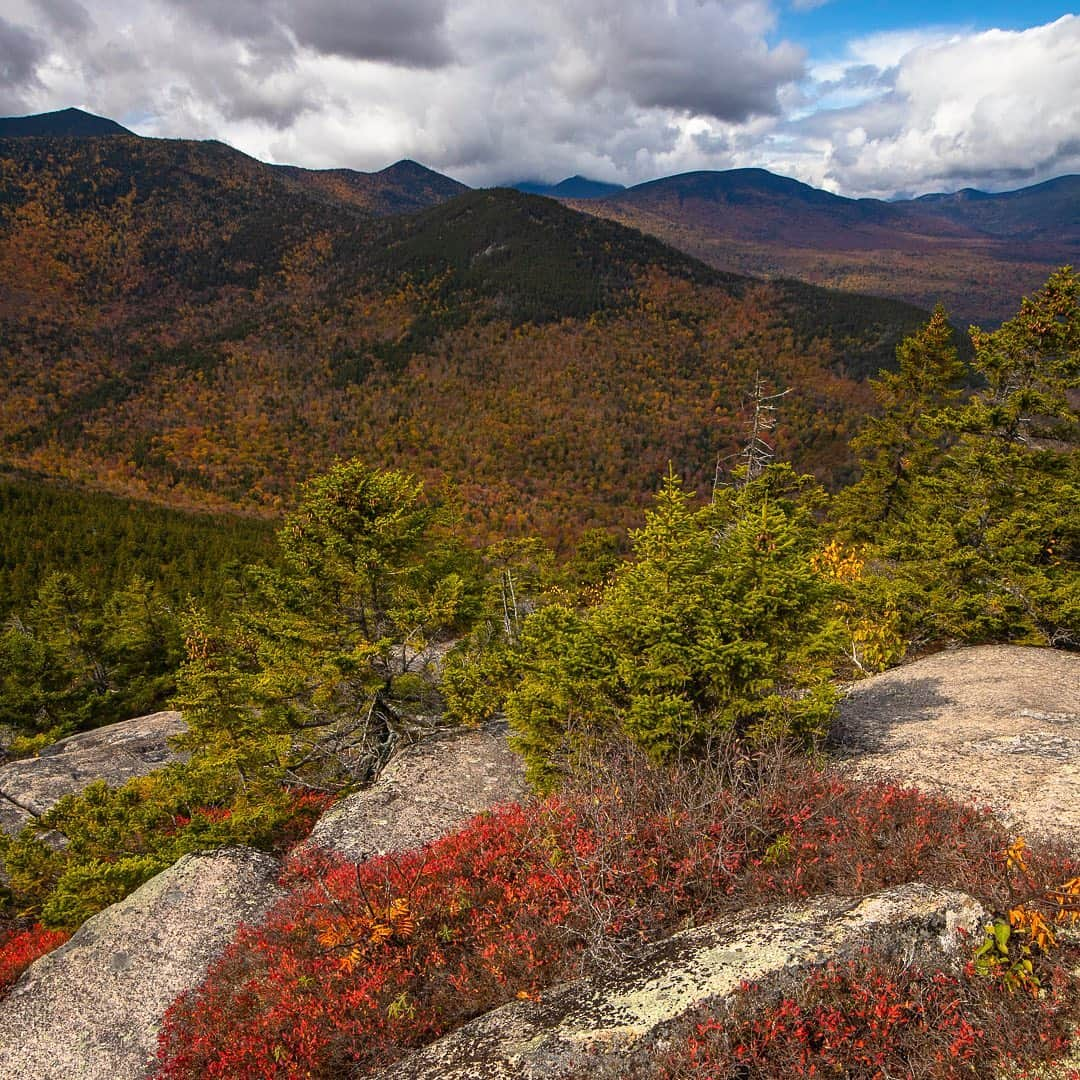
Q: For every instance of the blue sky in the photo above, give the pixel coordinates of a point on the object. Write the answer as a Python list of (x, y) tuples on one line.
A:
[(862, 99), (825, 28)]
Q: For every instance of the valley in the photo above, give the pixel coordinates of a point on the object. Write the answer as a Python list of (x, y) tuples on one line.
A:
[(185, 324)]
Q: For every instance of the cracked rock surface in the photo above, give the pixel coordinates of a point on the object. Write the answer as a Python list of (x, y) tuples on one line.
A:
[(115, 754), (993, 725), (560, 1033)]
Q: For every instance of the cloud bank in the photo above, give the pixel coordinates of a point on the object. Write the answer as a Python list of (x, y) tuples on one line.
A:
[(621, 90)]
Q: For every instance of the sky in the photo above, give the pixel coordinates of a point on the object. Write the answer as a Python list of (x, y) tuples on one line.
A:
[(864, 99)]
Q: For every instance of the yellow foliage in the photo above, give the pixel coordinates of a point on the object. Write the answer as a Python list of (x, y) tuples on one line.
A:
[(877, 641), (1015, 855), (378, 925), (839, 562), (1032, 923), (1032, 919)]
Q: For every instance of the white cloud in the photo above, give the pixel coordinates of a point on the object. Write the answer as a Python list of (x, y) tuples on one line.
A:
[(619, 89), (996, 108), (492, 92)]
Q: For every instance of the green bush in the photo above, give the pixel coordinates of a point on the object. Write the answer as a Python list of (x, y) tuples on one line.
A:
[(114, 839), (720, 623)]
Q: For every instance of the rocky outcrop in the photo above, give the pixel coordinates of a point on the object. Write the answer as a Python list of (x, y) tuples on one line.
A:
[(994, 725), (114, 754), (91, 1010), (998, 725), (428, 790), (559, 1034)]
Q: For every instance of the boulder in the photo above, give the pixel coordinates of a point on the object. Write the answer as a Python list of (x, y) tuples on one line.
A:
[(610, 1014), (115, 754), (429, 789), (993, 725), (92, 1009)]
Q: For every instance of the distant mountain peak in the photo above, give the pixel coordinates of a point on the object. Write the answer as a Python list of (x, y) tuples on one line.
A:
[(401, 188), (63, 122), (735, 185), (581, 187), (408, 167), (573, 187)]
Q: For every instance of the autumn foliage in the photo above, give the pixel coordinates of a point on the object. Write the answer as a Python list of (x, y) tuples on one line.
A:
[(870, 1018), (358, 964), (184, 323), (19, 948)]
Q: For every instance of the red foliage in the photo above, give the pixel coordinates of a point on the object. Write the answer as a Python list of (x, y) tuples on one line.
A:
[(869, 1019), (307, 807), (207, 813), (488, 901), (20, 948), (360, 963)]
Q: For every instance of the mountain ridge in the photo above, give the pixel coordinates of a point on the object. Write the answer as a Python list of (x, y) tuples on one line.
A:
[(71, 122), (978, 252), (404, 187), (79, 123), (187, 324)]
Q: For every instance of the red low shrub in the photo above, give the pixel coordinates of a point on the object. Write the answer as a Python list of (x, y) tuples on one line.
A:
[(330, 979), (20, 948), (360, 963), (868, 1019)]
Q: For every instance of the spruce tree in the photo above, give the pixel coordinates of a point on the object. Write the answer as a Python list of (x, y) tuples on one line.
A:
[(720, 623), (909, 434), (327, 659), (974, 523)]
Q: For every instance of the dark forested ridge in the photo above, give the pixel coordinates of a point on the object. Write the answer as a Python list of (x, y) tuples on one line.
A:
[(183, 322), (1047, 212), (73, 122), (573, 187)]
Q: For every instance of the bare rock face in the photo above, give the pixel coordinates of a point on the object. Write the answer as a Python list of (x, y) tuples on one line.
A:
[(994, 725), (428, 790), (91, 1010), (609, 1015), (115, 754)]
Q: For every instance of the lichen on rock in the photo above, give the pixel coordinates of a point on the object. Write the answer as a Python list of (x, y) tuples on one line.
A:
[(611, 1013)]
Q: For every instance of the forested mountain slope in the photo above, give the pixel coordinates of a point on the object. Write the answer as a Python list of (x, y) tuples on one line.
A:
[(977, 252), (1047, 212), (401, 188), (183, 322)]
